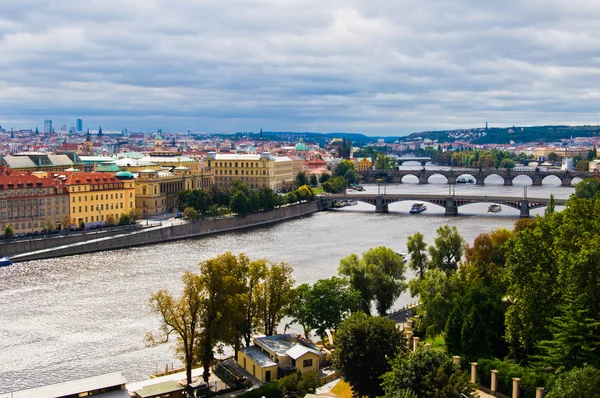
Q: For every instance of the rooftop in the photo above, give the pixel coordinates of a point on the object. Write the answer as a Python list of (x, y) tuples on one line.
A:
[(259, 356)]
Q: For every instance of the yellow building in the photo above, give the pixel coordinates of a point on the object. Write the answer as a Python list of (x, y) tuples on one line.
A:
[(362, 164), (272, 353), (94, 196), (264, 170)]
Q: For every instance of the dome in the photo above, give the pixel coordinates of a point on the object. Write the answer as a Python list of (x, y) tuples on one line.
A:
[(301, 146), (124, 175)]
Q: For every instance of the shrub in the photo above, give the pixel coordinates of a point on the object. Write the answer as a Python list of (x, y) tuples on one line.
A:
[(507, 370)]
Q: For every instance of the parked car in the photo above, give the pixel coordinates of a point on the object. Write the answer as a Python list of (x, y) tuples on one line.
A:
[(179, 215)]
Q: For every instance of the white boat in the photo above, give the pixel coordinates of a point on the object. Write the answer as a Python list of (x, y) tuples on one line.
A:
[(494, 208), (5, 262), (418, 208), (464, 180), (404, 256)]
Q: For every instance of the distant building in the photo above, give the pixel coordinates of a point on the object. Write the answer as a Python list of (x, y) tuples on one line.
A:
[(79, 125), (263, 170), (48, 126), (567, 164)]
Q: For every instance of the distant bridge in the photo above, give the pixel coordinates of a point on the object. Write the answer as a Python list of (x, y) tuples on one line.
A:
[(449, 203), (478, 175), (421, 159)]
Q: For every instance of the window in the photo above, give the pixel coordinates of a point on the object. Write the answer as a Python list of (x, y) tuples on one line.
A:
[(307, 363)]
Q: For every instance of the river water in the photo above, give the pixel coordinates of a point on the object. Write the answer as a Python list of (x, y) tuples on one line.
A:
[(78, 316)]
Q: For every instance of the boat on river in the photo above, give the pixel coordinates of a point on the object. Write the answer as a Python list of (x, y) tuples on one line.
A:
[(5, 262), (494, 208), (418, 208), (464, 180)]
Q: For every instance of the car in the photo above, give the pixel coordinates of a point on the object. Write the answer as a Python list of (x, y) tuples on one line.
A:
[(179, 215)]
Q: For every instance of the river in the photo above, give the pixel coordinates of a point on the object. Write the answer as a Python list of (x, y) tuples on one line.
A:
[(84, 315)]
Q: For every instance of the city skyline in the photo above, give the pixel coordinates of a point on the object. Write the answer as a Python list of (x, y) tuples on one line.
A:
[(385, 68)]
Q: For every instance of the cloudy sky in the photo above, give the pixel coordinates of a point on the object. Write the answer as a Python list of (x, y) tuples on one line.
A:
[(384, 67)]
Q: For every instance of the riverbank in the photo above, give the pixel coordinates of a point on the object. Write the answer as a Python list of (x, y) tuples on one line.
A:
[(167, 233)]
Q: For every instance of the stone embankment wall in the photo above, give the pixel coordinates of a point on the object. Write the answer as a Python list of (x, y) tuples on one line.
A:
[(9, 248), (175, 232)]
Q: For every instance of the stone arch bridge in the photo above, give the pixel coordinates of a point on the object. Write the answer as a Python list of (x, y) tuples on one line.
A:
[(449, 203), (479, 175)]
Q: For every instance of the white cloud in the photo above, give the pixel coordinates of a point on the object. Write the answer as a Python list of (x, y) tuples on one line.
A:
[(379, 66)]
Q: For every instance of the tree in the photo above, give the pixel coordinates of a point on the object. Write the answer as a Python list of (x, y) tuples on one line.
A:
[(135, 214), (305, 193), (438, 295), (378, 275), (551, 205), (81, 224), (553, 157), (424, 374), (330, 301), (588, 188), (302, 311), (384, 162), (198, 199), (363, 347), (267, 198), (9, 232), (50, 226), (182, 317), (418, 255), (313, 180), (301, 179), (342, 168), (276, 295), (110, 220), (190, 213), (240, 203), (335, 185), (257, 271), (324, 177), (447, 249), (124, 219), (582, 165), (507, 164), (577, 383), (351, 176)]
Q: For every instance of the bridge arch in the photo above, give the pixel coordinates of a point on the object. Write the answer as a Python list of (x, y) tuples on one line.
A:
[(437, 179), (493, 179), (552, 180), (410, 179), (576, 180), (522, 179)]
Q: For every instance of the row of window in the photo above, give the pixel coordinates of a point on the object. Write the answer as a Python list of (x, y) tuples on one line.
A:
[(41, 201), (264, 172), (28, 192), (113, 206), (112, 196), (98, 187), (241, 164), (19, 214)]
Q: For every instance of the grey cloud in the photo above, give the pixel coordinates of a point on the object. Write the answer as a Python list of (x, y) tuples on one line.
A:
[(377, 66)]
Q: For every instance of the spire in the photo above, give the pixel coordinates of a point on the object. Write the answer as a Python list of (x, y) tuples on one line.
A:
[(100, 132), (87, 138), (37, 131)]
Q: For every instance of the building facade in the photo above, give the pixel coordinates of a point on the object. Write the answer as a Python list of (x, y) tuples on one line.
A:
[(262, 170), (32, 204)]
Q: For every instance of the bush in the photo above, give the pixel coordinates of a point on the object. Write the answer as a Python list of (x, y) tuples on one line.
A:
[(272, 390), (9, 232), (124, 219)]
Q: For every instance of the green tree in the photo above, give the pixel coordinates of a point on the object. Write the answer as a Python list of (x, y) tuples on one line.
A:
[(588, 188), (447, 249), (330, 301), (9, 232), (302, 310), (305, 193), (363, 346), (553, 157), (418, 255), (351, 176), (507, 164), (181, 317), (240, 203), (135, 214), (301, 179), (577, 383), (342, 168), (199, 199), (438, 295), (190, 213), (377, 276), (313, 180), (276, 295), (424, 374), (124, 219), (551, 205), (384, 162), (257, 271), (324, 177)]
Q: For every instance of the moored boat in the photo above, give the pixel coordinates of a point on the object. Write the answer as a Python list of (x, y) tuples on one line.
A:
[(494, 208), (5, 262), (464, 180), (418, 208)]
